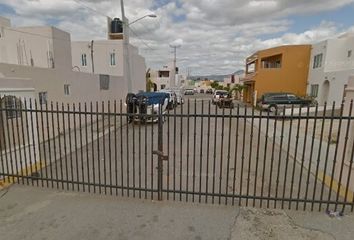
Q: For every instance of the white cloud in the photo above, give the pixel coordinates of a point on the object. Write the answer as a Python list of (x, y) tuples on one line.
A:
[(216, 35)]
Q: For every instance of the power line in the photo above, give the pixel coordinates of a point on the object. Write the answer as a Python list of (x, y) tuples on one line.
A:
[(90, 8), (141, 40)]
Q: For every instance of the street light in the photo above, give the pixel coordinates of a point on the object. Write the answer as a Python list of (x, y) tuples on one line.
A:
[(126, 53), (148, 15)]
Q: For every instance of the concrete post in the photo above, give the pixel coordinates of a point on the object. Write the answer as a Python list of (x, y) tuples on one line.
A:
[(346, 167)]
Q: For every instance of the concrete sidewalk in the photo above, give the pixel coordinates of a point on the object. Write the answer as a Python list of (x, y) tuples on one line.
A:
[(37, 213)]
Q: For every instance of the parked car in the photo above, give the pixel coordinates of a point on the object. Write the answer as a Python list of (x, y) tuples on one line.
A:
[(273, 101), (209, 91), (225, 101), (218, 94), (144, 106), (172, 101), (189, 92), (179, 94), (201, 91)]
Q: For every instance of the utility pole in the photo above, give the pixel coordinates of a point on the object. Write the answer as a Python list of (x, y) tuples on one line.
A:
[(173, 79), (126, 54)]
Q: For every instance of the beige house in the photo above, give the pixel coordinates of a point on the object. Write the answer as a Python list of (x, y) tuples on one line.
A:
[(42, 63)]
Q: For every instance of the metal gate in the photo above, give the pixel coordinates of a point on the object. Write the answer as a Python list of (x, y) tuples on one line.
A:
[(297, 158)]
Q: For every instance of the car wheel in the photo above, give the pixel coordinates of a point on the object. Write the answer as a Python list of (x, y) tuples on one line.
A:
[(272, 108)]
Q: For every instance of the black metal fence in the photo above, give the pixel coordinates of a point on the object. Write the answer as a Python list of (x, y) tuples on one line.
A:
[(296, 158)]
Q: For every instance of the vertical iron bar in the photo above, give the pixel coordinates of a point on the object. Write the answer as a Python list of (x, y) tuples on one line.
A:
[(33, 137), (49, 145), (87, 150), (146, 158), (215, 145), (65, 152), (207, 156), (15, 175), (139, 150), (327, 154), (168, 153), (343, 156), (121, 146), (310, 160), (346, 201), (76, 148), (181, 155), (70, 147), (44, 147), (201, 152), (98, 148), (236, 155), (81, 150), (335, 154), (11, 176), (4, 148), (243, 153), (319, 156), (153, 116), (115, 147), (29, 163), (295, 157), (264, 157), (104, 149), (272, 157), (250, 157), (60, 149), (133, 154), (93, 148), (228, 156), (174, 153), (279, 159), (187, 176), (38, 142), (194, 146), (54, 143), (18, 109), (109, 148), (303, 158), (128, 155), (160, 158), (288, 155), (221, 151), (257, 157)]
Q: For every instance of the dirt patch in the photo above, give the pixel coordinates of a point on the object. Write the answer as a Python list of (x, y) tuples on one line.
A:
[(260, 224)]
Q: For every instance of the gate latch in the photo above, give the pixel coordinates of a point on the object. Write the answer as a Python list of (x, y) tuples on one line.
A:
[(160, 154)]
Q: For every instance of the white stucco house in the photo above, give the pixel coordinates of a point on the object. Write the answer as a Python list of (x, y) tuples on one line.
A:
[(331, 65)]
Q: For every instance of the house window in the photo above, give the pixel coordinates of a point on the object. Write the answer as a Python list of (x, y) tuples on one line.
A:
[(66, 89), (12, 106), (83, 60), (113, 59), (349, 53), (43, 98), (314, 90), (163, 86), (317, 61), (272, 62), (104, 82)]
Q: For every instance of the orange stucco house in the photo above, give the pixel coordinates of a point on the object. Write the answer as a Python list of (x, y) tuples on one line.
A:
[(279, 69)]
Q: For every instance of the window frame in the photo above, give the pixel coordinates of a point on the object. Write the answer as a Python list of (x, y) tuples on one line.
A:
[(67, 89), (12, 106), (43, 97), (314, 88), (83, 59), (112, 60)]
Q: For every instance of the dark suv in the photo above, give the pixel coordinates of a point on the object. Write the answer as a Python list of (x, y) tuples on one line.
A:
[(272, 101)]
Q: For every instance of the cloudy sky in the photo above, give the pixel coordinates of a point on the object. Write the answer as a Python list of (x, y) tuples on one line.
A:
[(215, 35)]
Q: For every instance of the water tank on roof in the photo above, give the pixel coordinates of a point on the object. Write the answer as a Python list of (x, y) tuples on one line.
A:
[(117, 26)]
